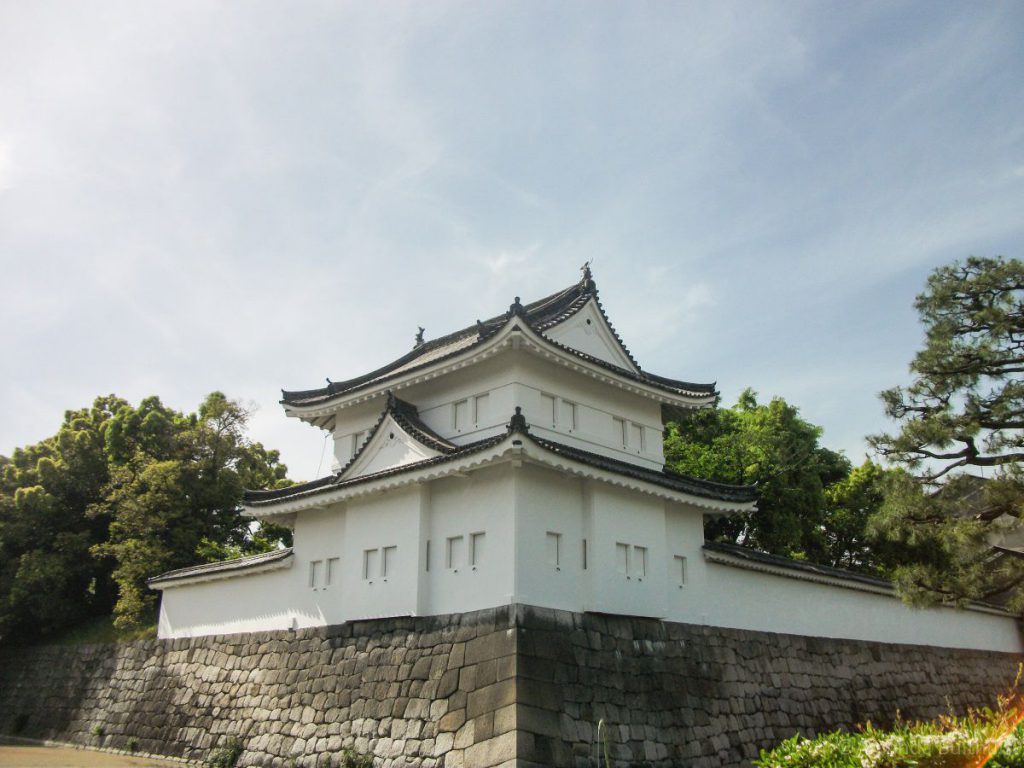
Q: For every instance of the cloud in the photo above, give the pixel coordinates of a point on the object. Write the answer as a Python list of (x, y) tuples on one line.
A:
[(201, 196)]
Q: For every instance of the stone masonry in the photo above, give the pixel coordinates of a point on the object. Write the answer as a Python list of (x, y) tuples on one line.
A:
[(513, 686)]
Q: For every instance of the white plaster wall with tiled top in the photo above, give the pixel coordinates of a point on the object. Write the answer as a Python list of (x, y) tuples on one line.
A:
[(515, 534)]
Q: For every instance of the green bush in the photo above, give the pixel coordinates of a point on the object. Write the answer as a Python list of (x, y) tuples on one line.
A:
[(945, 743), (227, 754), (352, 759)]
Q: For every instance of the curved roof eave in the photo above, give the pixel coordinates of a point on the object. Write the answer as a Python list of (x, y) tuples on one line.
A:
[(539, 316), (717, 497), (682, 393)]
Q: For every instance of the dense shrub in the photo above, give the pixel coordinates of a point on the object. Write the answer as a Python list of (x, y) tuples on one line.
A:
[(945, 743)]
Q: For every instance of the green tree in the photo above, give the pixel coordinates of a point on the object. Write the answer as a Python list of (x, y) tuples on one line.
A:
[(850, 504), (175, 497), (47, 577), (772, 446), (960, 437), (119, 494)]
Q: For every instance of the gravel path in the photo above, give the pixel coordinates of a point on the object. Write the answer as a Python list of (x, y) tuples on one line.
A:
[(38, 756)]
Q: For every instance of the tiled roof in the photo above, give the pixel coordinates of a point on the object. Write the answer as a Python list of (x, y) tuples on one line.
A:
[(754, 556), (681, 483), (335, 481), (539, 315), (225, 566)]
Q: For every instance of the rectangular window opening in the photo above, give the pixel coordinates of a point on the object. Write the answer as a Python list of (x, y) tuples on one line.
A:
[(480, 403), (554, 549), (640, 562), (680, 562), (371, 563), (547, 409), (584, 554), (314, 572), (388, 561), (622, 558), (476, 548), (331, 572), (454, 553), (569, 415), (636, 437), (619, 430), (426, 558), (460, 415)]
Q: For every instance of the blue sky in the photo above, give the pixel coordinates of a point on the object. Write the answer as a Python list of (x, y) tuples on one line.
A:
[(249, 196)]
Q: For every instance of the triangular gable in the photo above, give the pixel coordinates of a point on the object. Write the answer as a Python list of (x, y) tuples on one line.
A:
[(390, 446), (587, 331)]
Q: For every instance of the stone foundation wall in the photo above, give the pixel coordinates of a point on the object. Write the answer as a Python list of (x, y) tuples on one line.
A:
[(514, 686), (413, 691), (704, 697)]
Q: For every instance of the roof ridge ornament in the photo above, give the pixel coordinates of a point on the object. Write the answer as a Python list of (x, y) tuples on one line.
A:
[(419, 337), (518, 422), (516, 308), (588, 276)]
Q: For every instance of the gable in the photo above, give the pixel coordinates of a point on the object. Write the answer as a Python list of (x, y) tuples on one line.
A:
[(389, 447), (587, 331)]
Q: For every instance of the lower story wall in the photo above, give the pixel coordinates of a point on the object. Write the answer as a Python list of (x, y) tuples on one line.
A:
[(514, 686)]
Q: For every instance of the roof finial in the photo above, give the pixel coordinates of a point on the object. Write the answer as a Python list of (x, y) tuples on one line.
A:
[(419, 337), (588, 277), (518, 422), (516, 308)]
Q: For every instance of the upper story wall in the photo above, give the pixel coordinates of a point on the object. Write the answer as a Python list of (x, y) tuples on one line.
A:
[(565, 405)]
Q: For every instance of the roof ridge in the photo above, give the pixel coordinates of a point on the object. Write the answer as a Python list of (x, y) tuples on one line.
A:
[(538, 316)]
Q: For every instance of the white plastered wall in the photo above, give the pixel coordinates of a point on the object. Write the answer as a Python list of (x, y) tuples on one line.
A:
[(564, 405), (633, 542)]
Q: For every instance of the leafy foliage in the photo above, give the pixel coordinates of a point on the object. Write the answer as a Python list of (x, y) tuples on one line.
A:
[(811, 505), (227, 754), (119, 494), (961, 438), (948, 742)]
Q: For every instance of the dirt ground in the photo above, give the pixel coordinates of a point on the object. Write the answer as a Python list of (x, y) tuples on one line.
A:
[(38, 756)]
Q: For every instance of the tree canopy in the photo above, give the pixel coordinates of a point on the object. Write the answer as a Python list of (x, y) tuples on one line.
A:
[(961, 438), (811, 503), (119, 494)]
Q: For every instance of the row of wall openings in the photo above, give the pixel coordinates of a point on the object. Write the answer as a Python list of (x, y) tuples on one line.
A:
[(631, 561), (379, 562), (554, 553), (470, 412), (455, 551), (323, 573), (631, 434), (558, 412)]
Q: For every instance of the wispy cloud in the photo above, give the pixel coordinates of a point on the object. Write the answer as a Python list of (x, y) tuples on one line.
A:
[(200, 196)]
